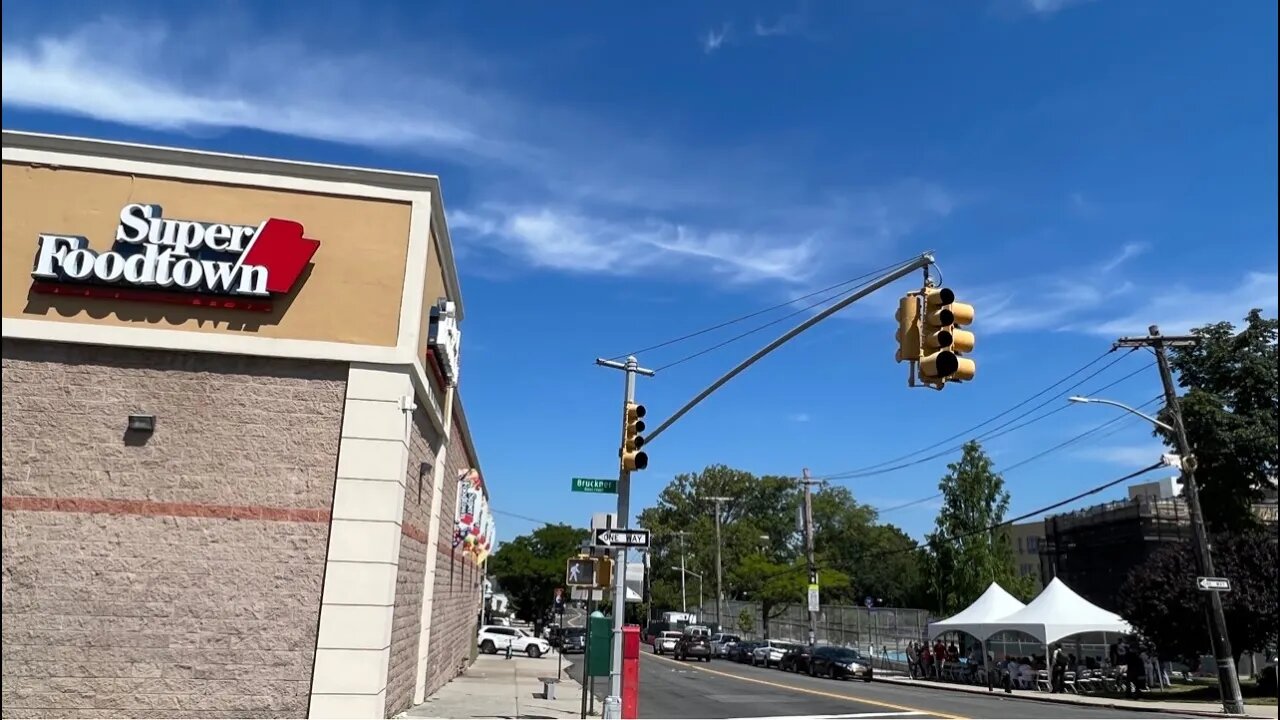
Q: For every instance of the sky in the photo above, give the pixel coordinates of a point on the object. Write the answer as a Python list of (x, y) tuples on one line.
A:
[(617, 175)]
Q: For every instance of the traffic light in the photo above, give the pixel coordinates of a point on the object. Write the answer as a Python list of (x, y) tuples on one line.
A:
[(944, 343), (580, 572), (908, 316), (604, 572), (633, 458)]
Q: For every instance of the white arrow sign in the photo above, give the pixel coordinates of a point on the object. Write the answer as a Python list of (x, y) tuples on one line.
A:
[(1212, 584), (622, 538)]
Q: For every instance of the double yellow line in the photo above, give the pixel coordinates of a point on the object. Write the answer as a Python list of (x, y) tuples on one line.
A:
[(807, 691)]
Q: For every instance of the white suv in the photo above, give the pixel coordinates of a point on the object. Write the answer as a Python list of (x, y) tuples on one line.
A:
[(493, 638)]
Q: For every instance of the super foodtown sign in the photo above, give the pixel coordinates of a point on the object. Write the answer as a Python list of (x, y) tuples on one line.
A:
[(159, 259)]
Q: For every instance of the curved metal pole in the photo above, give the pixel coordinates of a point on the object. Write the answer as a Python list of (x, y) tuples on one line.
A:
[(1122, 406)]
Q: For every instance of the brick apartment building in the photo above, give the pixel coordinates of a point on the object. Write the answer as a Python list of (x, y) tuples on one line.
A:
[(234, 451)]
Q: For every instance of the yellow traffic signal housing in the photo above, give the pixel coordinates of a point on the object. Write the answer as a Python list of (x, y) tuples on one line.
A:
[(908, 317), (632, 457), (944, 341), (604, 572)]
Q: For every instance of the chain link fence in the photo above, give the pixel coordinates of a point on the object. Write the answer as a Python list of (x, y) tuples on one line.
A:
[(881, 632)]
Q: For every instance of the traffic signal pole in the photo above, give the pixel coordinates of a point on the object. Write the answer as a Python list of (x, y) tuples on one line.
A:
[(808, 547), (923, 261), (613, 705), (1228, 679)]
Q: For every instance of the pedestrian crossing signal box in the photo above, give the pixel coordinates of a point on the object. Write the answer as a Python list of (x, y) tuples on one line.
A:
[(581, 572)]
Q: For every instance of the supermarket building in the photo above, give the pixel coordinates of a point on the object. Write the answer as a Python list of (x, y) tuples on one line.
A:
[(235, 454)]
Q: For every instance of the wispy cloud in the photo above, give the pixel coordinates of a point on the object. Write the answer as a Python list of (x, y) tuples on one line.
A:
[(1127, 252), (799, 417), (545, 195), (1178, 308), (1050, 7), (712, 39), (789, 24), (1125, 455)]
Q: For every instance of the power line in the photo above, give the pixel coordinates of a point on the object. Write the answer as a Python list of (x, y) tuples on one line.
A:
[(757, 313), (758, 328), (525, 517), (998, 431), (1032, 458)]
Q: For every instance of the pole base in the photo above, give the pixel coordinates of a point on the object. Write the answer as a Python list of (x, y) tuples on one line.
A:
[(612, 709)]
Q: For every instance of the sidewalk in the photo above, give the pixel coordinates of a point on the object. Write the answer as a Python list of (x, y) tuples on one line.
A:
[(495, 687), (1188, 708)]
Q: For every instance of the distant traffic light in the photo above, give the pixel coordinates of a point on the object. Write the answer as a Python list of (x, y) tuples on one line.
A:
[(908, 316), (944, 343), (633, 458)]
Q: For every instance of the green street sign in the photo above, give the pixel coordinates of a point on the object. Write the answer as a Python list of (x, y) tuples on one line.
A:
[(595, 485)]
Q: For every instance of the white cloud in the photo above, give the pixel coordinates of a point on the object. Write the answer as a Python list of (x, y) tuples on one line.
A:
[(1050, 7), (789, 24), (712, 39), (1126, 455), (553, 188), (1127, 253), (1177, 308), (799, 417)]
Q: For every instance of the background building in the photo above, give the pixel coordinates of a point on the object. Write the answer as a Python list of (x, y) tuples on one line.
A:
[(238, 476), (1026, 539)]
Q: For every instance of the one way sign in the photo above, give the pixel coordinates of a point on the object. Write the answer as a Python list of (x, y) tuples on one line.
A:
[(622, 538), (1212, 584)]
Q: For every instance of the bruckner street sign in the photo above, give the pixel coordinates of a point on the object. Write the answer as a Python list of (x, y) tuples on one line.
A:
[(595, 485)]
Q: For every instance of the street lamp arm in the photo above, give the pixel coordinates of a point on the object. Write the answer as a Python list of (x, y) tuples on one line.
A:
[(1103, 401)]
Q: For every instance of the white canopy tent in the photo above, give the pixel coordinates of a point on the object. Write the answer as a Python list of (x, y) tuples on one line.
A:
[(1058, 612), (980, 618)]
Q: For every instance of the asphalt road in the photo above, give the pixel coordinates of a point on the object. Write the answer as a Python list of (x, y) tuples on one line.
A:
[(722, 689)]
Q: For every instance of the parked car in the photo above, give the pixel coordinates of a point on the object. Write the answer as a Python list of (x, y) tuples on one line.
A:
[(769, 653), (741, 651), (795, 660), (493, 638), (840, 663), (720, 643), (694, 643), (666, 642), (573, 640)]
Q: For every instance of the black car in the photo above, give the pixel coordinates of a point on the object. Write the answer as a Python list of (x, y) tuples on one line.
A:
[(840, 663), (795, 660), (573, 640), (696, 645)]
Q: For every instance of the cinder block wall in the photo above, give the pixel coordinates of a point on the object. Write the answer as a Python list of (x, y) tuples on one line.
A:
[(406, 624), (457, 599), (173, 576)]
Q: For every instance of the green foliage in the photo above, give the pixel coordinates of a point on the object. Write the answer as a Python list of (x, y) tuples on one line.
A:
[(746, 622), (531, 567), (1160, 598), (965, 557), (1230, 411)]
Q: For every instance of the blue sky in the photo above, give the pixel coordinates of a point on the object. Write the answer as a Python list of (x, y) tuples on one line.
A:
[(620, 174)]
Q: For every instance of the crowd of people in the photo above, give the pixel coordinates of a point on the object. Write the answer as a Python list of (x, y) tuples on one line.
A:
[(1128, 665)]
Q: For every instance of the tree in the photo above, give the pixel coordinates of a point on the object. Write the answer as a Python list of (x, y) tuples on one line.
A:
[(777, 586), (966, 554), (1230, 412), (1160, 598), (531, 567), (746, 622)]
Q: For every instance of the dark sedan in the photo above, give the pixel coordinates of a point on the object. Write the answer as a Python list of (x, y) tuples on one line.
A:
[(795, 660), (840, 663), (741, 651), (573, 640)]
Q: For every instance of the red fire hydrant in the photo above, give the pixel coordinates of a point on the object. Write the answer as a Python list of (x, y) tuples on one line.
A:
[(630, 672)]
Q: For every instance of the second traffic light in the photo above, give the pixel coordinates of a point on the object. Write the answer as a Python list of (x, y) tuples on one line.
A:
[(632, 457), (943, 343)]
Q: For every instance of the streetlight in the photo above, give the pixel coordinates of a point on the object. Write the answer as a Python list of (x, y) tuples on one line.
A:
[(699, 576), (1101, 401)]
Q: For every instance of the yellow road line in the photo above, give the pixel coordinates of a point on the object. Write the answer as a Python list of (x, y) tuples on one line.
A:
[(810, 691)]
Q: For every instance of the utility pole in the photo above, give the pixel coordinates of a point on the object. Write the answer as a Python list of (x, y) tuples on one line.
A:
[(719, 566), (613, 704), (1228, 680), (684, 603), (808, 484)]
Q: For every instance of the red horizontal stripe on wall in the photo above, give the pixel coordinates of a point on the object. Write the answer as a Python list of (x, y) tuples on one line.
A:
[(149, 508), (414, 532)]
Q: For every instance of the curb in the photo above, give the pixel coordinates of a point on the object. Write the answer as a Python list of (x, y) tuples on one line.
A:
[(1056, 701)]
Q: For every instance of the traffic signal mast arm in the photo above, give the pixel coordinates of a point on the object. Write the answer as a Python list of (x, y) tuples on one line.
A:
[(923, 261)]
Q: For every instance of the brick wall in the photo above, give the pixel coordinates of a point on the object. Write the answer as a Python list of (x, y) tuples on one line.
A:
[(456, 604), (406, 623), (172, 576)]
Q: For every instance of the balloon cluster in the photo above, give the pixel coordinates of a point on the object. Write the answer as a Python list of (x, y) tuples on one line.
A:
[(474, 528)]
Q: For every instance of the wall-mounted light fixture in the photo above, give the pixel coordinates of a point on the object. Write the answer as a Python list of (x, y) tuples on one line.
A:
[(142, 423)]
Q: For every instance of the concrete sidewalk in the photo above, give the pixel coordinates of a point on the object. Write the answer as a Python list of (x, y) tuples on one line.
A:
[(1160, 706), (495, 687)]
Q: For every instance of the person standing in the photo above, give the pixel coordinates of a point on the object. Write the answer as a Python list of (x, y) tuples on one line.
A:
[(1058, 669)]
